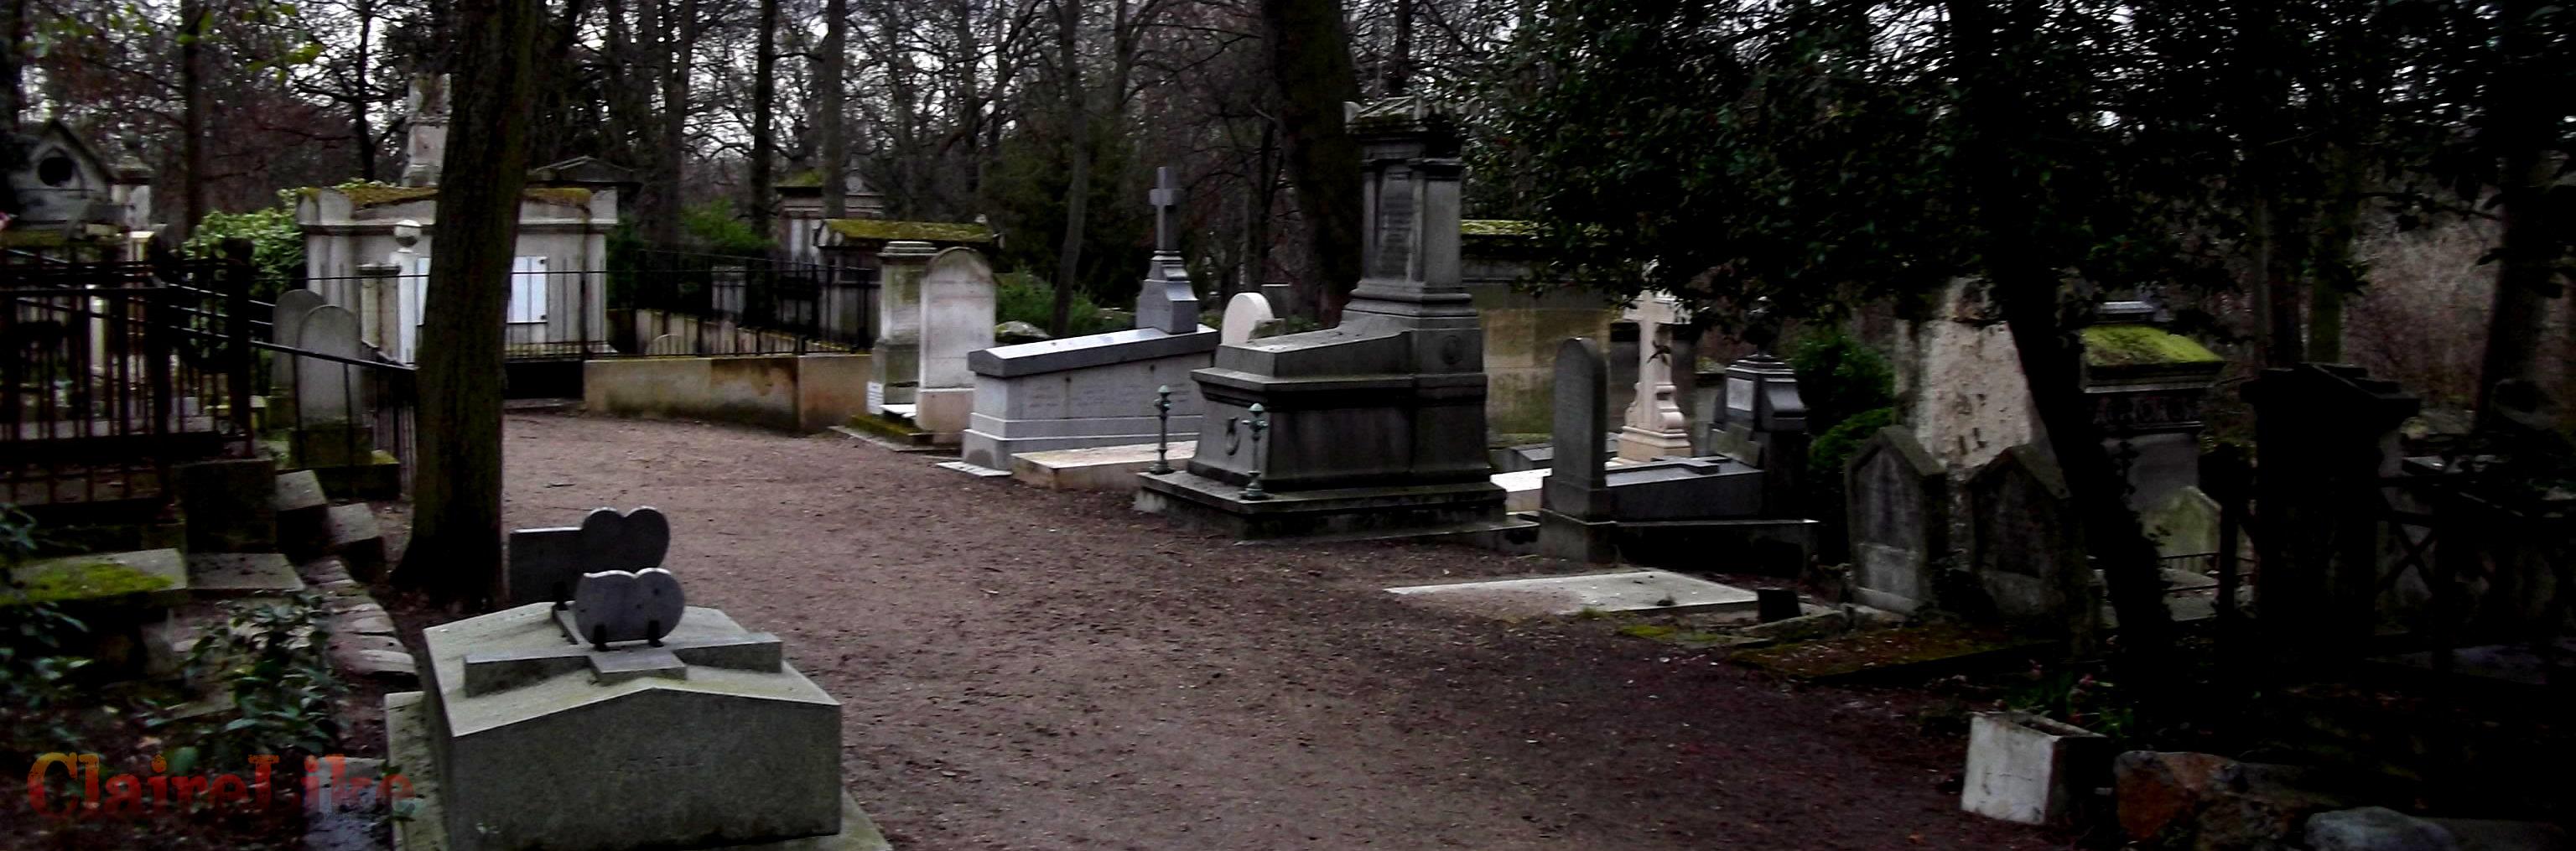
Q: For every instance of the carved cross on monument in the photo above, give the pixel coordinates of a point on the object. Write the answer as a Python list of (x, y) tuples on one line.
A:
[(1166, 302), (1166, 199)]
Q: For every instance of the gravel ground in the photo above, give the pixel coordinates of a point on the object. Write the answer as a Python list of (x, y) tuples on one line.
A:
[(1026, 669)]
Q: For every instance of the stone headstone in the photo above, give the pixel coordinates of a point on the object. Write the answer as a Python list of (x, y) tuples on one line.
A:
[(329, 391), (896, 355), (669, 344), (633, 540), (545, 564), (617, 605), (1574, 502), (1243, 313), (2024, 544), (286, 328), (1898, 500), (957, 302), (2184, 523)]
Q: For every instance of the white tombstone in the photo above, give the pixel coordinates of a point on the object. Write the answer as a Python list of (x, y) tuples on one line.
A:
[(896, 357), (286, 328), (957, 303), (1655, 427), (326, 389), (1242, 313)]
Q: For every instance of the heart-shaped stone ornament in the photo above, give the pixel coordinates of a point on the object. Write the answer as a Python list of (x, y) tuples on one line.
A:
[(634, 540), (616, 605)]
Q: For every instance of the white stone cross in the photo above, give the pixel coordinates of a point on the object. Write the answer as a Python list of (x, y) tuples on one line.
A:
[(1166, 197)]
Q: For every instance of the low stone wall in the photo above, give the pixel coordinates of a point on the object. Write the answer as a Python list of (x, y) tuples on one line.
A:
[(799, 393), (691, 335)]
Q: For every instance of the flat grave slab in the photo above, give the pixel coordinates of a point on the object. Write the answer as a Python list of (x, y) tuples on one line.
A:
[(1626, 591), (975, 470), (1095, 468), (152, 577), (241, 574)]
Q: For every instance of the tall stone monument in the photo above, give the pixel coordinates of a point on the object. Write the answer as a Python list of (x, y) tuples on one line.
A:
[(1378, 423), (896, 356), (1574, 510), (1655, 426), (957, 302), (1098, 389), (426, 148)]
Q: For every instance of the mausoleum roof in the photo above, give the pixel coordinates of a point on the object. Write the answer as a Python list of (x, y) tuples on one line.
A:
[(2141, 345), (889, 230)]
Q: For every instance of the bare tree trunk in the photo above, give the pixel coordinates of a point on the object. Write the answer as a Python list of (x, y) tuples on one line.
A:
[(1399, 62), (836, 136), (192, 116), (362, 135), (2522, 129), (670, 149), (1310, 62), (455, 553), (1077, 151), (1998, 115), (764, 121)]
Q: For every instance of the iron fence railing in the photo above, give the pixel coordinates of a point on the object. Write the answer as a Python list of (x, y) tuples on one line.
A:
[(114, 373), (719, 304)]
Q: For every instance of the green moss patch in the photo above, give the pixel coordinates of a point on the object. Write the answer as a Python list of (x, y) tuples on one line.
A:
[(82, 578), (2135, 345), (883, 229), (1497, 227)]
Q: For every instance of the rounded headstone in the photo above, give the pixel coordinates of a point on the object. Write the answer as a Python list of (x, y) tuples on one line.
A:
[(617, 605), (326, 389), (1242, 312), (632, 541)]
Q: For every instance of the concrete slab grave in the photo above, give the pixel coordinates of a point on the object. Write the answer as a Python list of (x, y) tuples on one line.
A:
[(1626, 591)]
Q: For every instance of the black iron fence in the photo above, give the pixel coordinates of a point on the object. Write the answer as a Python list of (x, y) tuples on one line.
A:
[(669, 302), (114, 373)]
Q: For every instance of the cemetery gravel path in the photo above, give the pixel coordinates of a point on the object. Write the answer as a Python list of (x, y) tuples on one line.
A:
[(1028, 669)]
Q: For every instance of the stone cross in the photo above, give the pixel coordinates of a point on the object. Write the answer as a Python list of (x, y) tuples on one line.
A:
[(1166, 302), (1166, 197)]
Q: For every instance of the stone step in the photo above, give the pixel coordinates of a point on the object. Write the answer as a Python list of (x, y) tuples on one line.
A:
[(1096, 468), (241, 575), (871, 438), (373, 656), (302, 512), (352, 533)]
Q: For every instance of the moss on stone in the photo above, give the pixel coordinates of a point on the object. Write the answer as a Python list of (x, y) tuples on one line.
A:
[(890, 231), (1497, 228), (363, 196), (568, 196), (808, 178), (2138, 345), (67, 580)]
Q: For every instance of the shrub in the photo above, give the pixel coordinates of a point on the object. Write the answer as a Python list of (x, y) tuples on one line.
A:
[(1022, 297), (276, 244), (1839, 377)]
